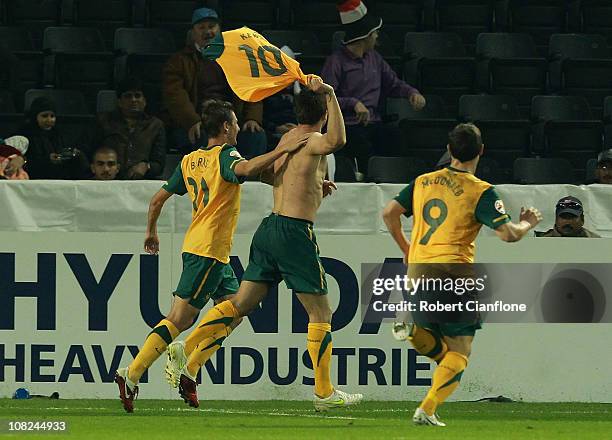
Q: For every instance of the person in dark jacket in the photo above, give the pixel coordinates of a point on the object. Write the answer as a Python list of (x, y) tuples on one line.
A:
[(138, 138), (49, 156)]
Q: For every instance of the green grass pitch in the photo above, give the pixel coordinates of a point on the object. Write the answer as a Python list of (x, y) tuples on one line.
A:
[(166, 419)]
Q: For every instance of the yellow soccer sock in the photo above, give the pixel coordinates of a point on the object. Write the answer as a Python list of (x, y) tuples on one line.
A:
[(319, 343), (155, 344), (445, 380), (426, 343), (205, 349), (216, 319)]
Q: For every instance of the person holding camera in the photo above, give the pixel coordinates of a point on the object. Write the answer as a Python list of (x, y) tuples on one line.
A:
[(49, 156)]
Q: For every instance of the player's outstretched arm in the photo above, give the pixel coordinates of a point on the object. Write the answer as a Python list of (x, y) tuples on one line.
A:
[(290, 143), (512, 232), (335, 137), (151, 244), (392, 216)]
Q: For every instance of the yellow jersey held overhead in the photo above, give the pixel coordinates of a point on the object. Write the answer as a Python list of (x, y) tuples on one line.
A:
[(208, 176), (449, 207), (254, 68)]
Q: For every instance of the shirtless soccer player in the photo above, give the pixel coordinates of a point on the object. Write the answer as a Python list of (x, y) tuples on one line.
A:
[(212, 176), (285, 247), (449, 207)]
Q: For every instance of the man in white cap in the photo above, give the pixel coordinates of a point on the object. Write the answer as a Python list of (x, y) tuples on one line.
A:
[(362, 79)]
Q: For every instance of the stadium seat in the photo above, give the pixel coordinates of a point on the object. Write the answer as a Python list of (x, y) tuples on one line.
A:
[(106, 101), (305, 43), (566, 128), (508, 64), (257, 15), (67, 102), (491, 171), (106, 16), (538, 18), (607, 118), (172, 15), (595, 17), (7, 103), (398, 109), (468, 18), (23, 70), (589, 174), (143, 53), (505, 134), (345, 169), (538, 171), (76, 58), (35, 16), (580, 64), (395, 169), (320, 17), (425, 138), (399, 17), (436, 63)]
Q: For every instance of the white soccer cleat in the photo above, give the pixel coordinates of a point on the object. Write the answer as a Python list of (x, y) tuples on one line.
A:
[(177, 360), (401, 330), (420, 417), (337, 399)]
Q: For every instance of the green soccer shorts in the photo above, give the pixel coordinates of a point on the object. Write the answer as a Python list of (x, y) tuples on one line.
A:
[(204, 278), (286, 248)]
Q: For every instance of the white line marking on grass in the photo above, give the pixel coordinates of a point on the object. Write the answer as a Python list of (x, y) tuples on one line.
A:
[(213, 410)]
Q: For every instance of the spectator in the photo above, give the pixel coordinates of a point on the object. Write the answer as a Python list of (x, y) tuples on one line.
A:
[(49, 156), (278, 111), (138, 138), (188, 80), (603, 172), (105, 164), (362, 80), (12, 151), (569, 220)]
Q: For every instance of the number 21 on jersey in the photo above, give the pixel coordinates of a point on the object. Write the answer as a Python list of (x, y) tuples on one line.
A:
[(200, 193)]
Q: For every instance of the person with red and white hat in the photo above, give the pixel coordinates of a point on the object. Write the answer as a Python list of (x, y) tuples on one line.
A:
[(361, 78)]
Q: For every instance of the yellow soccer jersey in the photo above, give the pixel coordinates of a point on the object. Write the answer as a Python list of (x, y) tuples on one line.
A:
[(208, 176), (449, 207), (254, 68)]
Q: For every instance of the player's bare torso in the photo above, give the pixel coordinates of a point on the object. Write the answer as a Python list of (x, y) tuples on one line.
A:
[(298, 184)]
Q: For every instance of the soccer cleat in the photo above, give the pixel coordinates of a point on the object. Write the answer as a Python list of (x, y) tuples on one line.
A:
[(337, 399), (401, 330), (420, 417), (175, 363), (188, 391), (126, 394)]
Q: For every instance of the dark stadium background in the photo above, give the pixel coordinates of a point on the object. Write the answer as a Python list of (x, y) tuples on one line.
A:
[(541, 70)]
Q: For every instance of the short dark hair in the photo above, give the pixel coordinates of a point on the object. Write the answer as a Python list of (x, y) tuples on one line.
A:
[(104, 149), (214, 113), (129, 83), (310, 107), (465, 142)]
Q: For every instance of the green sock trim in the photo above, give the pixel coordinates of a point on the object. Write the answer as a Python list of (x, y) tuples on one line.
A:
[(218, 342), (457, 378), (324, 343), (226, 321), (164, 333)]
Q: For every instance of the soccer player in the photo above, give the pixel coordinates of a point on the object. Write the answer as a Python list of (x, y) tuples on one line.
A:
[(212, 176), (285, 247), (449, 206)]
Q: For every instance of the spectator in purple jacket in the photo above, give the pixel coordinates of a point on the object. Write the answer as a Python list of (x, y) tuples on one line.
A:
[(362, 80)]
